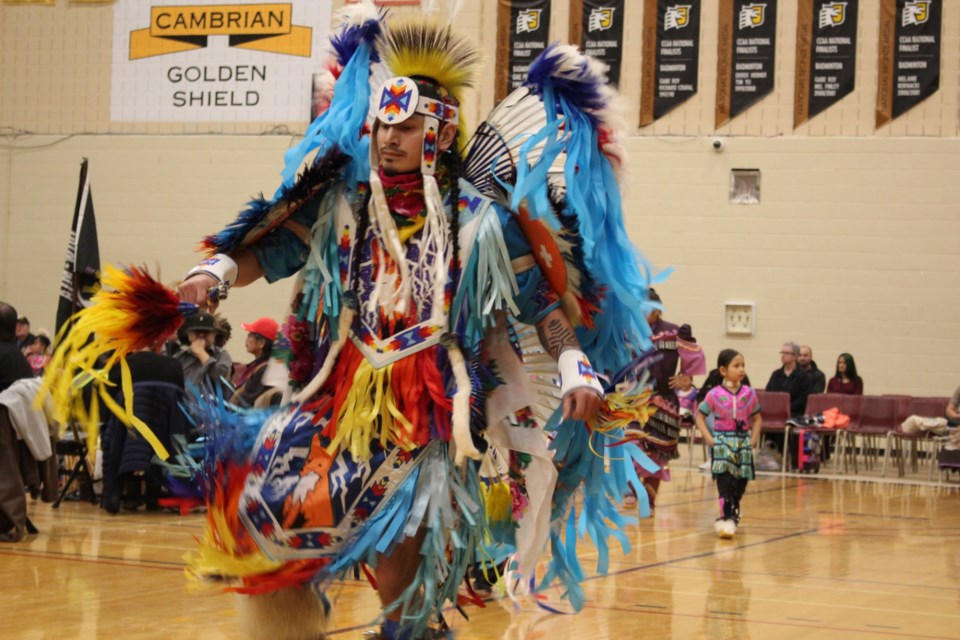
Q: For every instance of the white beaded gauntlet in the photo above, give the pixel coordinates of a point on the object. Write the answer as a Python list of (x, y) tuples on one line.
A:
[(221, 268), (577, 372)]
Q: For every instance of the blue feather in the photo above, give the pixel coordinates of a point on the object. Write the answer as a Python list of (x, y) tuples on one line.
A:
[(348, 40), (577, 84)]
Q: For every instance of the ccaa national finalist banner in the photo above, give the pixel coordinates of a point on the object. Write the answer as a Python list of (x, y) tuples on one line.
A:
[(671, 54), (597, 27), (746, 54), (212, 60), (826, 55), (909, 66), (523, 32)]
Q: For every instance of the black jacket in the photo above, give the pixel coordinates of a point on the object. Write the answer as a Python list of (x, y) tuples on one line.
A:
[(13, 366), (158, 391), (818, 381), (797, 384)]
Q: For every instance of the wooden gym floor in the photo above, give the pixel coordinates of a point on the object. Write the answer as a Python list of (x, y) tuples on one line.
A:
[(814, 557)]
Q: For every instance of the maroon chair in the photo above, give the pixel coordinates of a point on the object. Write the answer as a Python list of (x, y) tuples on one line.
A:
[(903, 406), (876, 418), (817, 403), (775, 412), (850, 406), (934, 407)]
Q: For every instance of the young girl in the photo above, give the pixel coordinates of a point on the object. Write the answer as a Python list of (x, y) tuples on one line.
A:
[(732, 405)]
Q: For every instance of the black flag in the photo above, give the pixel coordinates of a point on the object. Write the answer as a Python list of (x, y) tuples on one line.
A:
[(81, 271)]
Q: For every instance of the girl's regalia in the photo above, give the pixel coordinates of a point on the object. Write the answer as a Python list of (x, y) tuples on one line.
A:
[(420, 402)]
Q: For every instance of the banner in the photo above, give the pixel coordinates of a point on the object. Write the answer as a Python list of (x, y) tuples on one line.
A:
[(671, 54), (81, 271), (826, 55), (216, 61), (602, 38), (745, 55), (523, 31), (909, 67)]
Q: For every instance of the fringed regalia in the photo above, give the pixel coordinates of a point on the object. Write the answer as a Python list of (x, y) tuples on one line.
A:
[(420, 402)]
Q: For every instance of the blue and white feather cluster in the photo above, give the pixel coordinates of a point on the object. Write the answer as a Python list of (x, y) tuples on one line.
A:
[(578, 105), (342, 123)]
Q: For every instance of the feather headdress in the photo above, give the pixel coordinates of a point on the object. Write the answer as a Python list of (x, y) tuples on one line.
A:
[(418, 49)]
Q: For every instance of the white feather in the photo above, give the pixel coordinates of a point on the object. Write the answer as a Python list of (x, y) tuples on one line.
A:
[(357, 13)]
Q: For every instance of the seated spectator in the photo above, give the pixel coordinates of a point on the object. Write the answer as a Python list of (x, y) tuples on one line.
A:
[(24, 337), (13, 367), (224, 331), (203, 362), (953, 409), (791, 379), (38, 354), (249, 382), (130, 477), (818, 381), (846, 380)]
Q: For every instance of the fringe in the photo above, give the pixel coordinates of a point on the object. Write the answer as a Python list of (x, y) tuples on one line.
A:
[(488, 284)]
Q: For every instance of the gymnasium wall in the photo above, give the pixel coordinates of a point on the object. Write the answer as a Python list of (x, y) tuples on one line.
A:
[(853, 246)]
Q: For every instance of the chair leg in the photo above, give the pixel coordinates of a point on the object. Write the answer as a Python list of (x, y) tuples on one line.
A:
[(786, 449), (66, 485), (886, 457), (80, 468)]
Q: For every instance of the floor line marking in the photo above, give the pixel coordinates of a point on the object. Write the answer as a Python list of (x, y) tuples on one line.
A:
[(111, 560)]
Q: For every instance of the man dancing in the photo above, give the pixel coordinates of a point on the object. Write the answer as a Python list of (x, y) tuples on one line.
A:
[(401, 356)]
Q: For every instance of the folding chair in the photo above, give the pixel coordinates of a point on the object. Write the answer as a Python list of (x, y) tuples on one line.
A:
[(877, 417), (81, 473), (818, 403), (775, 412), (926, 407)]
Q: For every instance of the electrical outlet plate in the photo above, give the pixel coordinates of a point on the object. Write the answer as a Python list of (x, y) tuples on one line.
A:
[(739, 318)]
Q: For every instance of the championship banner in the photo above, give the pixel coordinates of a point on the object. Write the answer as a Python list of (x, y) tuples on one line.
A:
[(523, 31), (745, 55), (671, 54), (596, 26), (217, 61), (826, 55), (909, 68)]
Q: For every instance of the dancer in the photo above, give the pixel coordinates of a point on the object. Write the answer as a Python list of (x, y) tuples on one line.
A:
[(676, 359), (733, 405), (420, 273)]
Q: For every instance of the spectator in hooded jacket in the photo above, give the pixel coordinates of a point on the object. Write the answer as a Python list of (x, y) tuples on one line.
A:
[(818, 381)]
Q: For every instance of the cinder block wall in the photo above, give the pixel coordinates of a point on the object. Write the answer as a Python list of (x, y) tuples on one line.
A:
[(852, 248)]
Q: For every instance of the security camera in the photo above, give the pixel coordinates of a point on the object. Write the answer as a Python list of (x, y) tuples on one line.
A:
[(718, 144)]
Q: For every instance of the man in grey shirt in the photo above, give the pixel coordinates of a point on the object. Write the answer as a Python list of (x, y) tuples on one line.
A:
[(202, 361)]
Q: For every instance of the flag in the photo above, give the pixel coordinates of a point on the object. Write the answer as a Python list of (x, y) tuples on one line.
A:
[(81, 271)]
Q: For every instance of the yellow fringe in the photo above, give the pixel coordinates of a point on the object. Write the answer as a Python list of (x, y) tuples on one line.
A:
[(499, 503), (623, 408), (216, 555), (370, 411), (620, 409), (108, 326)]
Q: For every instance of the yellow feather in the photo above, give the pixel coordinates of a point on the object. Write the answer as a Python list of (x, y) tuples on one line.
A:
[(421, 48)]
